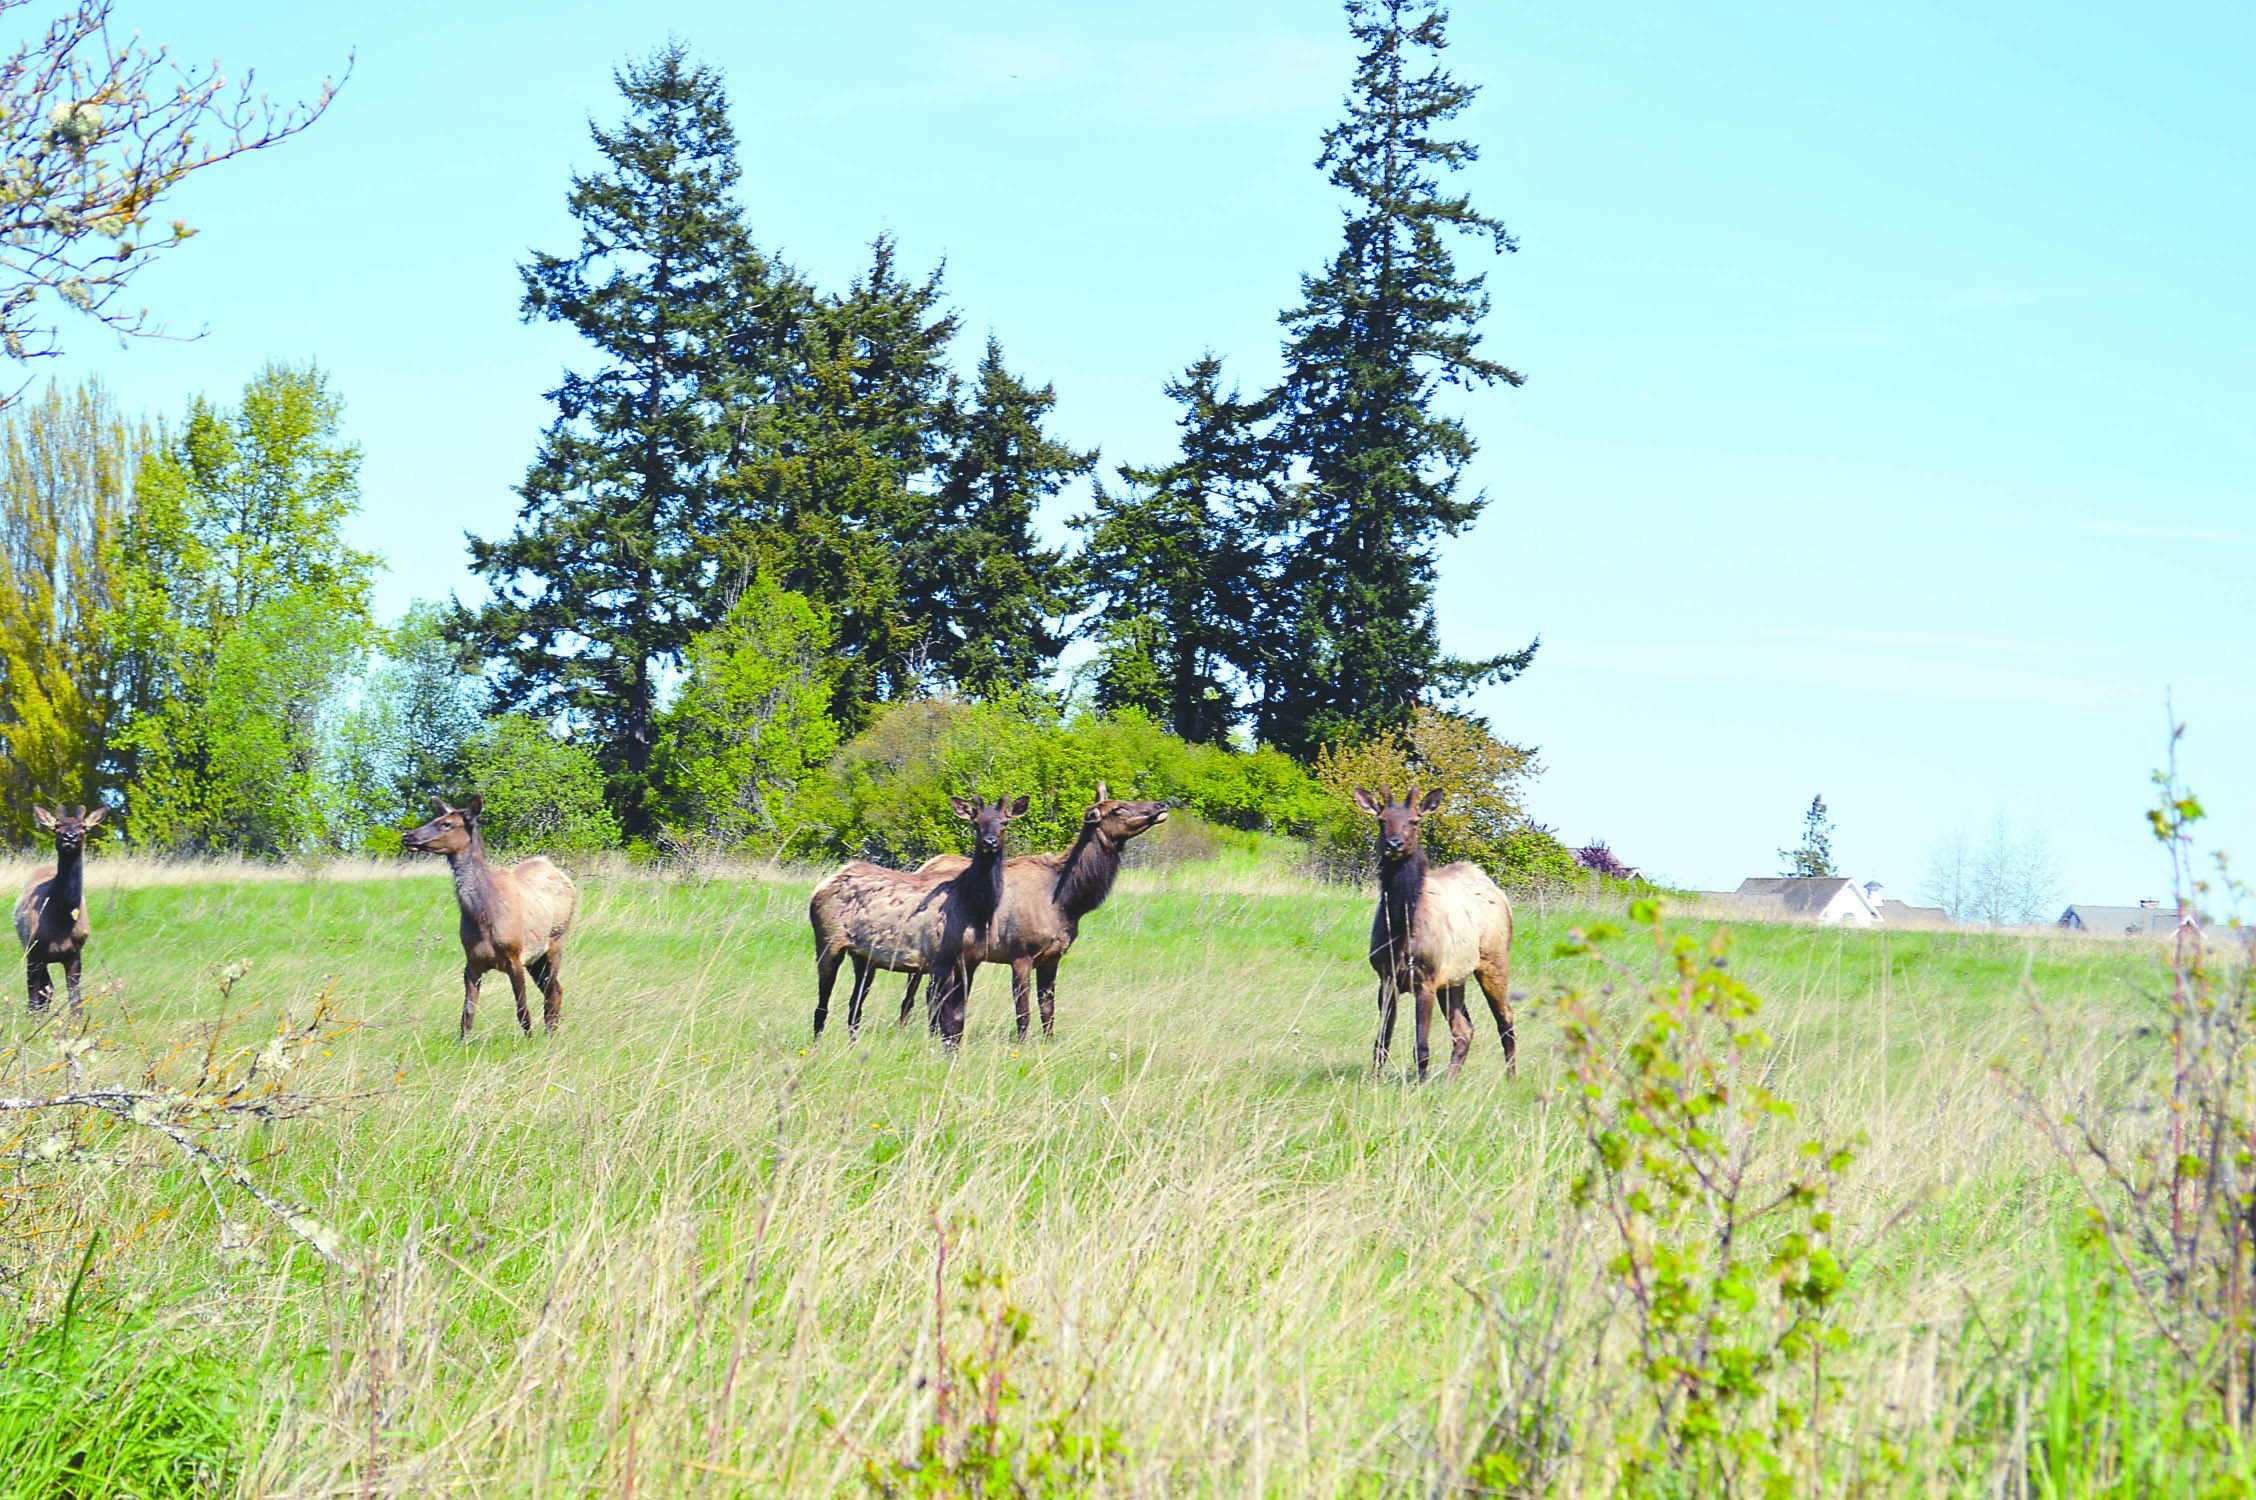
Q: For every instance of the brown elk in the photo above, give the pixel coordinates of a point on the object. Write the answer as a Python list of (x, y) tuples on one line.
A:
[(51, 913), (1045, 896), (913, 921), (513, 919), (1434, 929)]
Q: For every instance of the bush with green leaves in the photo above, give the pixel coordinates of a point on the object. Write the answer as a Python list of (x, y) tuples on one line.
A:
[(750, 723), (885, 795), (1716, 1224), (544, 795), (1481, 817)]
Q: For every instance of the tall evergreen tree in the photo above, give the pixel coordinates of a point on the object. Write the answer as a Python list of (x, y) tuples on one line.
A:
[(606, 577), (1377, 334), (986, 601), (1180, 568), (826, 457)]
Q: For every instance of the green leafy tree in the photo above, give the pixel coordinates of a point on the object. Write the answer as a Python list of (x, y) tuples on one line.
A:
[(605, 578), (828, 456), (240, 615), (544, 795), (1180, 567), (751, 721), (1814, 856), (1353, 645), (98, 132), (67, 468), (407, 731), (987, 602)]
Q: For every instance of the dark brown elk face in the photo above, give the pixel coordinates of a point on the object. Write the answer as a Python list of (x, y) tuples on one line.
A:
[(451, 831), (1124, 820), (69, 828), (987, 823), (1398, 821)]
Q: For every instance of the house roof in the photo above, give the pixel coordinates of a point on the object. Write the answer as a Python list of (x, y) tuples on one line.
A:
[(1903, 914), (2117, 919), (1803, 893)]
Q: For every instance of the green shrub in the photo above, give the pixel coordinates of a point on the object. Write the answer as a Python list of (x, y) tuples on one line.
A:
[(885, 795), (1481, 819), (543, 795)]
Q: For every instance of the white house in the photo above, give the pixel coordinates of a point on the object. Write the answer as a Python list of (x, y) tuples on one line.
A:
[(1816, 898)]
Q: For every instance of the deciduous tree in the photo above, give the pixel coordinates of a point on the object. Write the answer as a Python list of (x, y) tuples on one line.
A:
[(68, 464), (99, 130)]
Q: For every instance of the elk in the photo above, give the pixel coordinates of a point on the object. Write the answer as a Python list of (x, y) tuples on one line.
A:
[(513, 919), (51, 913), (1045, 896), (1433, 930), (914, 921)]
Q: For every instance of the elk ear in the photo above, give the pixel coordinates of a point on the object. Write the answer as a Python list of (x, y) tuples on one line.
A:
[(1017, 809), (1433, 800), (475, 806), (438, 805), (1366, 801), (965, 810), (1102, 794), (95, 816), (42, 816)]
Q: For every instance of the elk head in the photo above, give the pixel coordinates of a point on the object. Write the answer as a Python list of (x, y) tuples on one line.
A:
[(1398, 821), (69, 828), (1124, 820), (453, 830), (987, 823)]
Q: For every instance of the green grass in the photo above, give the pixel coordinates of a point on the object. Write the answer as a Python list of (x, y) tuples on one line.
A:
[(1254, 1258)]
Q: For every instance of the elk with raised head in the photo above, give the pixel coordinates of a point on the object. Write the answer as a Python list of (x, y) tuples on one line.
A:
[(513, 919), (1434, 930), (51, 914), (1045, 896), (914, 921)]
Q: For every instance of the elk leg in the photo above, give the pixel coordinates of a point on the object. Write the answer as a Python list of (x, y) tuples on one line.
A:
[(1460, 1026), (863, 974), (1046, 976), (908, 997), (470, 977), (517, 988), (1388, 993), (1494, 979), (550, 972), (1425, 1021), (39, 987), (1022, 993), (70, 978), (826, 972), (951, 989)]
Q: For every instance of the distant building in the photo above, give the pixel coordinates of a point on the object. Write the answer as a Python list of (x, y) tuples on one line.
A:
[(1816, 898), (2147, 919), (1902, 915)]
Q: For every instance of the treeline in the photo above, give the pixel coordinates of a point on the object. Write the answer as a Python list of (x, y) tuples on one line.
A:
[(733, 420), (775, 576)]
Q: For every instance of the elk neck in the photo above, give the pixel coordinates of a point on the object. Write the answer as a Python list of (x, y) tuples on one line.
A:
[(982, 886), (1402, 885), (473, 879), (67, 892), (1088, 873)]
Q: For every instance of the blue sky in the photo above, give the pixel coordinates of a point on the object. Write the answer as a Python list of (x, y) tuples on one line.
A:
[(1888, 429)]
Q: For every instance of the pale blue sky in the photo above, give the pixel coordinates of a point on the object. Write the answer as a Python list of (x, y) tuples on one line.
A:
[(1888, 429)]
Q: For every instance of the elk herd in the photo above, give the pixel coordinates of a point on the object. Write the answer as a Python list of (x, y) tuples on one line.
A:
[(1434, 929)]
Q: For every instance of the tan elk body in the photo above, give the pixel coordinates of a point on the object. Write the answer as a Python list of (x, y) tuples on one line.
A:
[(1434, 930), (1045, 896), (514, 919), (913, 921), (51, 920)]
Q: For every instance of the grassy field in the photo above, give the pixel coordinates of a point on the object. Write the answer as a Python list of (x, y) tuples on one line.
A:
[(678, 1248)]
